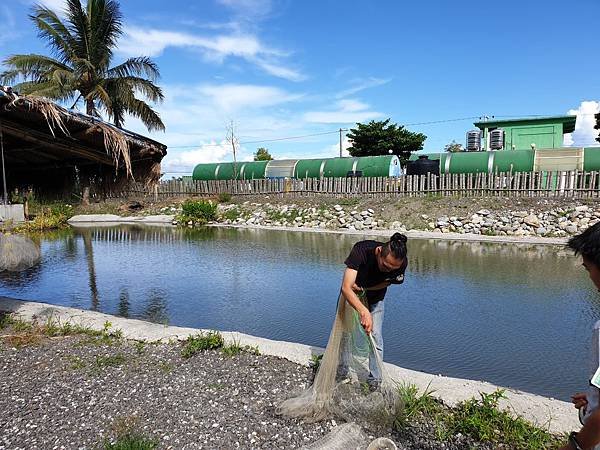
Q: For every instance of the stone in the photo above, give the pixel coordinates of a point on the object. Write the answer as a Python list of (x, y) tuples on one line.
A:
[(520, 214), (457, 223), (532, 220), (338, 208), (364, 213), (368, 221), (358, 225), (571, 229), (541, 231), (483, 212), (341, 220), (370, 211), (582, 208)]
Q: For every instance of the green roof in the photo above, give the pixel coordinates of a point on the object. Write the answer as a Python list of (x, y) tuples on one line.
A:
[(567, 121)]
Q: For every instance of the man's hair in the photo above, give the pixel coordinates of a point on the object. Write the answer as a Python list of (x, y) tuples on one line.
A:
[(587, 244), (396, 246)]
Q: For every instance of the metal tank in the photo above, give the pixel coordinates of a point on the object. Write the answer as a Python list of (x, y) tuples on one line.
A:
[(340, 167), (205, 171), (379, 166), (253, 170), (281, 168), (473, 140), (309, 168), (497, 139), (423, 166)]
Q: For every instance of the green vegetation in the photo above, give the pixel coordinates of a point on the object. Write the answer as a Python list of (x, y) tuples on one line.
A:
[(110, 360), (25, 333), (224, 197), (231, 214), (198, 212), (82, 42), (131, 441), (235, 348), (262, 154), (201, 342), (379, 137), (481, 419)]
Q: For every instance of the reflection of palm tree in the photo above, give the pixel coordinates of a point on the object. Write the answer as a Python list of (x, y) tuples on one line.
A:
[(89, 255), (124, 303), (156, 310)]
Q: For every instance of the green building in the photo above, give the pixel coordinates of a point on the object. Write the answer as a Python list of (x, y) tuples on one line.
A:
[(521, 134)]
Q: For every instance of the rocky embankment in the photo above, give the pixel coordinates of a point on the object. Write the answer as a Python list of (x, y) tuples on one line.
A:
[(558, 221)]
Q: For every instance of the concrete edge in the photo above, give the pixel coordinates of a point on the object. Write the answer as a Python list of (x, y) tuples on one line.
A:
[(111, 220), (555, 415)]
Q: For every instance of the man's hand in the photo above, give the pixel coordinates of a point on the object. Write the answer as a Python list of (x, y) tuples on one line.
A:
[(579, 400), (356, 287), (366, 320)]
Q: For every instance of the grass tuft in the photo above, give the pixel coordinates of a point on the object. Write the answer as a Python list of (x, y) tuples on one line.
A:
[(201, 342)]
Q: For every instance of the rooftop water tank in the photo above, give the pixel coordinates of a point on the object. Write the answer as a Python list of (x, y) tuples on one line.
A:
[(473, 140), (497, 139)]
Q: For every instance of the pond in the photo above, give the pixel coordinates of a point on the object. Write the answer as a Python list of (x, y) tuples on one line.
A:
[(515, 315)]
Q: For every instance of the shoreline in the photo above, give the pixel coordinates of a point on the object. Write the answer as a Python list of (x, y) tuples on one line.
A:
[(557, 415), (166, 220)]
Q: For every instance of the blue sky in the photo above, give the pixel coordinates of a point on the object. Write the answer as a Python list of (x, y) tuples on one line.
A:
[(281, 68)]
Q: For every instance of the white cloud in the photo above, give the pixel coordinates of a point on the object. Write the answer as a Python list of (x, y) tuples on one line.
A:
[(584, 135), (153, 42), (249, 9), (230, 98), (55, 5), (348, 111), (362, 84), (185, 161)]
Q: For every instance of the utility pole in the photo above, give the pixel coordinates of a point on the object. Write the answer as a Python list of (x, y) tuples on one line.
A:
[(341, 129)]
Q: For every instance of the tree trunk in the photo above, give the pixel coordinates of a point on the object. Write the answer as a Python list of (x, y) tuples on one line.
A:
[(89, 107)]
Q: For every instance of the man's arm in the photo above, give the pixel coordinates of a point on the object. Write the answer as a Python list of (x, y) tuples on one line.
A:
[(589, 436), (347, 283), (379, 286)]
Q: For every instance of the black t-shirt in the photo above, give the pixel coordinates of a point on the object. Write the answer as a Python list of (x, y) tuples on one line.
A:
[(362, 258)]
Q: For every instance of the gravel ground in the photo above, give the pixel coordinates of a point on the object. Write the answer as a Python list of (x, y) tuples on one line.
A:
[(76, 392)]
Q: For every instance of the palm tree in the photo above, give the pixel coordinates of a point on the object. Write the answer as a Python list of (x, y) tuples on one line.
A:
[(82, 45)]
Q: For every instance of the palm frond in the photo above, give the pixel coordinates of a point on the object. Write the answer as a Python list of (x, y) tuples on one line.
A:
[(30, 66), (54, 31), (141, 110), (136, 67), (105, 29)]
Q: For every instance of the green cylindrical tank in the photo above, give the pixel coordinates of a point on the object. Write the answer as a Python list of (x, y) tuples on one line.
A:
[(225, 171), (379, 166), (309, 168), (205, 171), (513, 161), (466, 162), (591, 158), (253, 170), (339, 167)]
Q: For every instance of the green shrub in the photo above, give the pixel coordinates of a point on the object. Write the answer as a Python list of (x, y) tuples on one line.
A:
[(131, 441), (197, 211), (224, 197), (200, 342)]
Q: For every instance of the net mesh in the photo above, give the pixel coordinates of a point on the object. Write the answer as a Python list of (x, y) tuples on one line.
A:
[(17, 253), (341, 388)]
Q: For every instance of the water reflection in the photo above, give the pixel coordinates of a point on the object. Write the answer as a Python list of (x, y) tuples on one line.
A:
[(516, 315)]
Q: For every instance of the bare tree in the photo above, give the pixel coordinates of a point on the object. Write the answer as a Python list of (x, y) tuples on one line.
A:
[(232, 139)]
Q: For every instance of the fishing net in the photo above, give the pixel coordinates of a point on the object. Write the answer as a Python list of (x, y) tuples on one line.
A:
[(341, 388), (17, 253)]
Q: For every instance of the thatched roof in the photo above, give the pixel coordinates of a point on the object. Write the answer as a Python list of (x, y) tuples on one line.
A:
[(40, 135)]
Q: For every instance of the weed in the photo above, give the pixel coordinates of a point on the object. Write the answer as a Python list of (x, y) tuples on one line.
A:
[(348, 201), (224, 197), (110, 361), (414, 405), (216, 386), (165, 367), (315, 362), (128, 437), (139, 347), (76, 363), (200, 342), (197, 211), (483, 420), (235, 348), (231, 214)]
